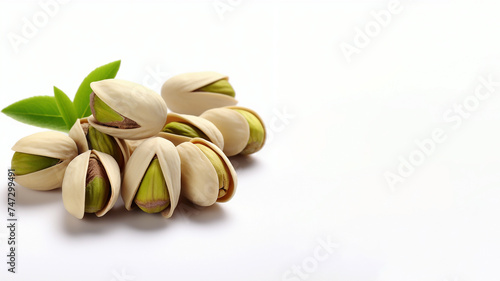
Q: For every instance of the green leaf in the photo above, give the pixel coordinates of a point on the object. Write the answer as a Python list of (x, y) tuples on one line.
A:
[(41, 111), (66, 107), (81, 101)]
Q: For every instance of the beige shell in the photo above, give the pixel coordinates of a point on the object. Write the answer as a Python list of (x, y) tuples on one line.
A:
[(139, 162), (73, 188), (133, 101), (233, 126), (180, 96), (49, 144), (133, 144), (77, 134), (202, 124), (199, 180)]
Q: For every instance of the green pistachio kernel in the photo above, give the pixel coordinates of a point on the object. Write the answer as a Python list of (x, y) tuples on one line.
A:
[(221, 87), (24, 163), (152, 196), (184, 129), (97, 189)]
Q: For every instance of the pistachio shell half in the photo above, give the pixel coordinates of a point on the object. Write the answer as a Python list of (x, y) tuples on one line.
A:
[(81, 175), (195, 92), (206, 127), (126, 110), (113, 146), (239, 137), (140, 162), (201, 179), (48, 145)]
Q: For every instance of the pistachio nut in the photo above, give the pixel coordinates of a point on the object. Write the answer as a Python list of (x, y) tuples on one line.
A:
[(91, 184), (207, 175), (242, 128), (40, 159), (87, 137), (195, 92), (180, 128), (152, 177), (126, 110)]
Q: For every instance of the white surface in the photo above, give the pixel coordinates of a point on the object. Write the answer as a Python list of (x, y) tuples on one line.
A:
[(321, 175)]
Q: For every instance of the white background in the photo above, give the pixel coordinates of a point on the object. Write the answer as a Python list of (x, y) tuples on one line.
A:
[(337, 125)]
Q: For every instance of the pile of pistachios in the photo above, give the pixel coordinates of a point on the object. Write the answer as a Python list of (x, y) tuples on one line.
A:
[(132, 146)]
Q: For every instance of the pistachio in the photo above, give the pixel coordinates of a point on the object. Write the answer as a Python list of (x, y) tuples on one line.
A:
[(40, 159), (152, 195), (97, 189), (24, 163), (152, 177), (106, 115), (242, 129), (91, 184), (220, 168), (257, 132), (88, 137), (104, 143), (180, 128), (126, 110), (207, 175), (220, 87), (193, 93), (183, 129)]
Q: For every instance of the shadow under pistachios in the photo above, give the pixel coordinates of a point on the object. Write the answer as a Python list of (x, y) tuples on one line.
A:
[(241, 162), (118, 217), (192, 213), (30, 197)]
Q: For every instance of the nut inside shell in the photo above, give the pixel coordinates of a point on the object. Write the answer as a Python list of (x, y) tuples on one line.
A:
[(77, 177)]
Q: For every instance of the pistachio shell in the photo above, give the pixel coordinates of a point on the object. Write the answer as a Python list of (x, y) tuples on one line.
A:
[(78, 135), (209, 129), (200, 183), (134, 101), (133, 144), (73, 188), (257, 136), (179, 92), (138, 164), (49, 144), (233, 126)]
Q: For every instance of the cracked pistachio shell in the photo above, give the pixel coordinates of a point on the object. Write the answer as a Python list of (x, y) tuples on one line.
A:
[(78, 135), (209, 129), (133, 101), (73, 188), (48, 144), (139, 162), (200, 183), (179, 92), (233, 126)]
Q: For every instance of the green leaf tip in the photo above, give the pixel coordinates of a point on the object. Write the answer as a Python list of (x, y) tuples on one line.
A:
[(82, 96)]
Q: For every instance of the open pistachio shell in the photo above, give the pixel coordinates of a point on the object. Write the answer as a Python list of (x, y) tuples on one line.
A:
[(233, 126), (79, 136), (199, 179), (49, 144), (133, 101), (181, 95), (73, 188), (209, 129), (139, 162), (255, 146)]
